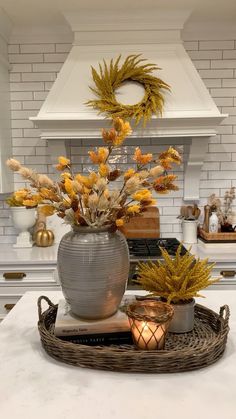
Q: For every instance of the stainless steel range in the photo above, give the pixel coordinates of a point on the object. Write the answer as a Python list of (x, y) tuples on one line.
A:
[(148, 249)]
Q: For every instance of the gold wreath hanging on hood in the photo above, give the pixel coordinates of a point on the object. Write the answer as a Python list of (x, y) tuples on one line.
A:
[(110, 78)]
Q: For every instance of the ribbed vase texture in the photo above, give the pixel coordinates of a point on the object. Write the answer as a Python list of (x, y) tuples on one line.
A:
[(93, 268)]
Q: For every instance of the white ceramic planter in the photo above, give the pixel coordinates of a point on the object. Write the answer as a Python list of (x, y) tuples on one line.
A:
[(23, 218), (189, 228)]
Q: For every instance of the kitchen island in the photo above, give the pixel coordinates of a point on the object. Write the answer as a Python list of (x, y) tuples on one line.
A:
[(34, 385)]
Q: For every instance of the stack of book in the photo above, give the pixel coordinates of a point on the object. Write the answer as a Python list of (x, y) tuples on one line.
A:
[(114, 330)]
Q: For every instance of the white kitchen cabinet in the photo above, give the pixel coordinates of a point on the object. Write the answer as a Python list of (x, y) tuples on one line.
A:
[(6, 176), (23, 270)]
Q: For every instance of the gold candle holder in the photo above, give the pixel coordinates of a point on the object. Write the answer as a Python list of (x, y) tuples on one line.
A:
[(149, 321)]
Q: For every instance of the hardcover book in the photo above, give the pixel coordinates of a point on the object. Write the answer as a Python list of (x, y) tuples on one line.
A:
[(68, 324), (107, 339)]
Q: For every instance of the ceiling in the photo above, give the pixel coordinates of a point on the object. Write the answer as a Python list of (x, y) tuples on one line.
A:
[(30, 13)]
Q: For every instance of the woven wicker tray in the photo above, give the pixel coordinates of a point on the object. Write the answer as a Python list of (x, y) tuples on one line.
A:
[(183, 352)]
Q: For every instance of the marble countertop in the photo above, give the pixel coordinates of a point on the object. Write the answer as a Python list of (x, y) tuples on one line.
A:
[(42, 255), (34, 385), (34, 255)]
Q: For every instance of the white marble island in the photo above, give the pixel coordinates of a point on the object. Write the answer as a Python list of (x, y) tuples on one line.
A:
[(34, 385)]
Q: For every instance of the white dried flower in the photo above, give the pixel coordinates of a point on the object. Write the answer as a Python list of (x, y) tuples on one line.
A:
[(143, 174), (156, 171), (132, 185), (44, 180), (101, 184), (93, 201), (27, 173), (103, 203), (13, 164), (77, 186)]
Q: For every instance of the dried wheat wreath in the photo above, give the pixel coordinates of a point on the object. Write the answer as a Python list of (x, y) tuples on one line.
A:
[(111, 77)]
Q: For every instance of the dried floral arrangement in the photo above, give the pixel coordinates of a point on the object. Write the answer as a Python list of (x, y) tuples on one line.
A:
[(111, 76), (176, 280), (224, 210), (96, 200), (24, 197)]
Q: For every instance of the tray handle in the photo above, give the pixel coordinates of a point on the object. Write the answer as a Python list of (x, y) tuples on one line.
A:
[(43, 297), (224, 315)]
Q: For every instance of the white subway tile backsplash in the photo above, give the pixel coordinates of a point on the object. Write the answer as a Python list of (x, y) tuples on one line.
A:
[(23, 87), (39, 48), (16, 68), (223, 174), (222, 148), (16, 105), (34, 132), (225, 129), (20, 114), (213, 82), (21, 123), (46, 67), (217, 74), (191, 45), (223, 64), (205, 55), (40, 95), (55, 58), (25, 142), (207, 166), (21, 95), (223, 183), (13, 49), (224, 101), (23, 151), (14, 77), (229, 83), (205, 193), (229, 165), (25, 58), (223, 92), (16, 133), (39, 76), (48, 85), (208, 45), (202, 64), (231, 138), (31, 104), (63, 47), (229, 54)]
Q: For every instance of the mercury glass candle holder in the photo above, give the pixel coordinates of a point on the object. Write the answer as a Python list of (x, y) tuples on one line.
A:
[(149, 321)]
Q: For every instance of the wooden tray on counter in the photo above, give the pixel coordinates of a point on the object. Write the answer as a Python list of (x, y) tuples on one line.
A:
[(217, 237), (183, 352)]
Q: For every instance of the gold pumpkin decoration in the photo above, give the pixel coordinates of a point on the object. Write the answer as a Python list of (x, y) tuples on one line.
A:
[(44, 238)]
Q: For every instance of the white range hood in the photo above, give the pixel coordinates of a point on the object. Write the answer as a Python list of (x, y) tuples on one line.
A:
[(189, 110)]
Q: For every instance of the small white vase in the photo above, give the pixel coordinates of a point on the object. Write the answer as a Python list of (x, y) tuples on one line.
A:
[(189, 228), (23, 218)]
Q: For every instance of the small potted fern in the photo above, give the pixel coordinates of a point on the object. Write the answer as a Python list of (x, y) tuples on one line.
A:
[(177, 281)]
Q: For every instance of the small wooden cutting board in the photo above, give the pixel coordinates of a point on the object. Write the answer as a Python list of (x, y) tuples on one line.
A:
[(146, 225)]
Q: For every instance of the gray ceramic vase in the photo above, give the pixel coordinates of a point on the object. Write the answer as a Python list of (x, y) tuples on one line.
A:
[(93, 268), (183, 319)]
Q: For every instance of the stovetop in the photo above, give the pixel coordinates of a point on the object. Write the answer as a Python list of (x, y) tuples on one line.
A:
[(150, 248)]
